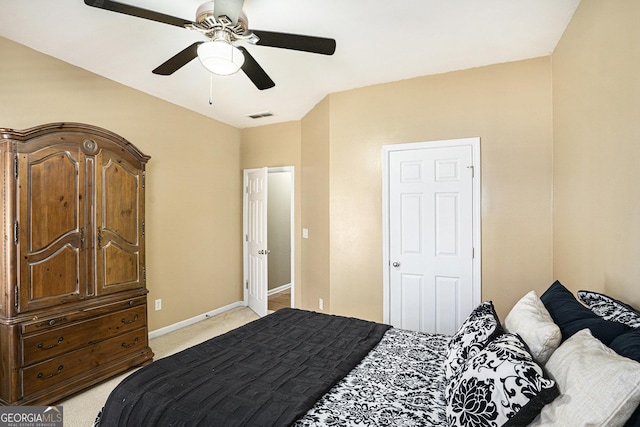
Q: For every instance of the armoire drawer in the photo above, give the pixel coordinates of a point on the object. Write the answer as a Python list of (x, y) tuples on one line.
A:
[(57, 321), (38, 347), (52, 372)]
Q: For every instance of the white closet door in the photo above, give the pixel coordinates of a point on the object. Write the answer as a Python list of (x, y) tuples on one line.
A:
[(431, 237)]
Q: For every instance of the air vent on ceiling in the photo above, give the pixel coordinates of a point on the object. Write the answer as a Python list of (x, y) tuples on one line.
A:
[(260, 115)]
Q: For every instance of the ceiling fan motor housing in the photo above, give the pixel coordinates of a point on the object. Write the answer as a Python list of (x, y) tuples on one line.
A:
[(204, 11), (206, 15)]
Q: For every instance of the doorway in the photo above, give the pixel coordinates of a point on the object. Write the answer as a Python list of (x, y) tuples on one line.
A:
[(431, 234), (269, 239)]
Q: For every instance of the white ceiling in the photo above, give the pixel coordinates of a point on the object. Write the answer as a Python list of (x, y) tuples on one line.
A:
[(377, 41)]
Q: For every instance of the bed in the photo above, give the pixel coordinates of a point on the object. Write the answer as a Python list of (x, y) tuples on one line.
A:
[(555, 360)]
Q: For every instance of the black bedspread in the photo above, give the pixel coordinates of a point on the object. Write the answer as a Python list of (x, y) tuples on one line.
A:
[(266, 373)]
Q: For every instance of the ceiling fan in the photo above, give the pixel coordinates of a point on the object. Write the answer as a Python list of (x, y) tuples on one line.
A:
[(225, 25)]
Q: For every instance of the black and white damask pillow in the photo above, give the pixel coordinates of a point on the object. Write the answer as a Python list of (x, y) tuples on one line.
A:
[(476, 331), (610, 308), (500, 386)]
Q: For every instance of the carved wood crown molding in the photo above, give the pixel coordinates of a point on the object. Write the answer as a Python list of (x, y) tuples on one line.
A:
[(87, 130)]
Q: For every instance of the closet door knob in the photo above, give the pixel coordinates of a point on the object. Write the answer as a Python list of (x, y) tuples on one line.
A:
[(396, 264)]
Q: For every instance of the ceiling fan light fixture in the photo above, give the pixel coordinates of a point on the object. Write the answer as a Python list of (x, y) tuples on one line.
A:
[(220, 57)]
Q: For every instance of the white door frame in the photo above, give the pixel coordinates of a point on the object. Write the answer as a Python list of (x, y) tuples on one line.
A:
[(245, 277), (386, 261)]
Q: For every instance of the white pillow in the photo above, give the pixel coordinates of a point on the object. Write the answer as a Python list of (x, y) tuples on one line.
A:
[(530, 319), (598, 387)]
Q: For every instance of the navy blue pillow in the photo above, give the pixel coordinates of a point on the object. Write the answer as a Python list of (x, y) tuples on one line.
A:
[(571, 316), (634, 420), (628, 344)]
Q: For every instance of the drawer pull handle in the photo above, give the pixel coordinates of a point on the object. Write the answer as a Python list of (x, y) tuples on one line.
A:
[(51, 322), (125, 345), (129, 321), (40, 345), (42, 377)]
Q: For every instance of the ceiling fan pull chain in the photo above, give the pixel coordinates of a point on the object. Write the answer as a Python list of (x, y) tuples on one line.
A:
[(210, 88)]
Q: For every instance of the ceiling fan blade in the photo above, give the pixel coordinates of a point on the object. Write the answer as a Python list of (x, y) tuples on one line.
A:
[(296, 42), (137, 12), (254, 71), (230, 8), (178, 61)]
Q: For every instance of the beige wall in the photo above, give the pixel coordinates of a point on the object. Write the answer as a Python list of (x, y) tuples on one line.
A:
[(315, 207), (194, 204), (509, 107), (596, 93), (274, 146)]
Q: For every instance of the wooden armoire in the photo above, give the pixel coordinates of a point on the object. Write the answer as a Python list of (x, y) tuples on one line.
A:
[(73, 300)]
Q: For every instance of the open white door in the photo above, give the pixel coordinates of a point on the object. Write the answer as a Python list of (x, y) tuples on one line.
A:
[(256, 273)]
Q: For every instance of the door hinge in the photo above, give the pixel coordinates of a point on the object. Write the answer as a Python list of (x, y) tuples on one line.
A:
[(246, 237), (246, 284), (143, 179), (144, 273), (16, 293), (15, 167), (473, 253), (143, 228), (473, 171), (16, 232)]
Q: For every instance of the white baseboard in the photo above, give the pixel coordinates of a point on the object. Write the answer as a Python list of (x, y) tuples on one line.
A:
[(196, 319), (279, 289)]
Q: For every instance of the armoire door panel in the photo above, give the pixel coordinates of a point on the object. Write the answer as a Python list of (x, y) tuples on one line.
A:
[(121, 266), (119, 214), (120, 201), (51, 226), (55, 275), (54, 205)]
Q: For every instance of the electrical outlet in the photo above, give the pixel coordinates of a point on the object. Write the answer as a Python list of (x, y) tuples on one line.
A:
[(158, 304), (321, 304), (305, 233)]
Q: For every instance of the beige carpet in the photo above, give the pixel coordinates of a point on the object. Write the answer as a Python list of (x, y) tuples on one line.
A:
[(81, 409)]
